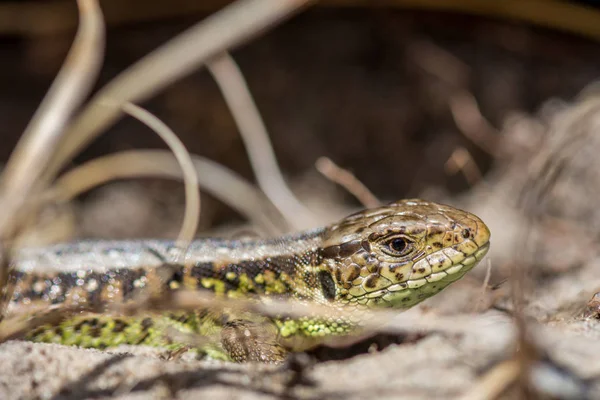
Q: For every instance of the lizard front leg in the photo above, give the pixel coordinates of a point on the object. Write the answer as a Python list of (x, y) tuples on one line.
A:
[(250, 341)]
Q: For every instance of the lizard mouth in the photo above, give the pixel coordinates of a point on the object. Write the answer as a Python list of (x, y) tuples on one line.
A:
[(411, 292)]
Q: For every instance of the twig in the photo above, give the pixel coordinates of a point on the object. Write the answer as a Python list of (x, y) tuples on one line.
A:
[(256, 139), (472, 124), (233, 25), (191, 214), (72, 84), (214, 178), (348, 181), (484, 287), (461, 160), (494, 382)]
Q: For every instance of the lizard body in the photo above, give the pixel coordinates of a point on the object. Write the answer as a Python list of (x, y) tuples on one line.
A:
[(392, 256)]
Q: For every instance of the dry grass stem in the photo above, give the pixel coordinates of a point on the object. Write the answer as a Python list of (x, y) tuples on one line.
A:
[(72, 84), (481, 304), (348, 181), (256, 139), (461, 160), (494, 382), (191, 213), (473, 124), (228, 28), (214, 178)]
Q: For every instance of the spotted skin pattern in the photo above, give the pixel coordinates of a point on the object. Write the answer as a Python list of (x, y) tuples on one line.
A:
[(394, 256)]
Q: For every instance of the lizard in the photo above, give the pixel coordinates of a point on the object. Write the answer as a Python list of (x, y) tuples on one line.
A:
[(393, 256)]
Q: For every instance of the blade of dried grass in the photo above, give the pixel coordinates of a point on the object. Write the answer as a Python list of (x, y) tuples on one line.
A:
[(72, 84), (496, 381), (254, 134), (214, 178), (233, 25), (348, 181), (472, 124), (191, 214)]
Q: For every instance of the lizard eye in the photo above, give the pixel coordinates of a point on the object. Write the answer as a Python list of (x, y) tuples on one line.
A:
[(397, 246)]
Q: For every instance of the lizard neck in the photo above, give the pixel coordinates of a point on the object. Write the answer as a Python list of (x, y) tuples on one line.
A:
[(284, 266), (94, 273)]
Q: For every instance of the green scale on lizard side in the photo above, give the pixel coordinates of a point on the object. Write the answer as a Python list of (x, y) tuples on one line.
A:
[(393, 256)]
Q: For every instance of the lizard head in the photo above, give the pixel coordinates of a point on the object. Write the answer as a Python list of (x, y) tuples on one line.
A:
[(400, 254)]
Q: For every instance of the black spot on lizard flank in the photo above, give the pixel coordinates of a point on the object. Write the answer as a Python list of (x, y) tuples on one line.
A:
[(143, 338), (202, 270), (78, 326), (147, 323), (181, 318), (327, 285), (94, 297), (169, 274), (120, 326), (125, 276), (95, 332)]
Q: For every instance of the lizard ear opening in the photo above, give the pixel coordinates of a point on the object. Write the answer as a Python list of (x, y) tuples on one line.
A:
[(327, 285)]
